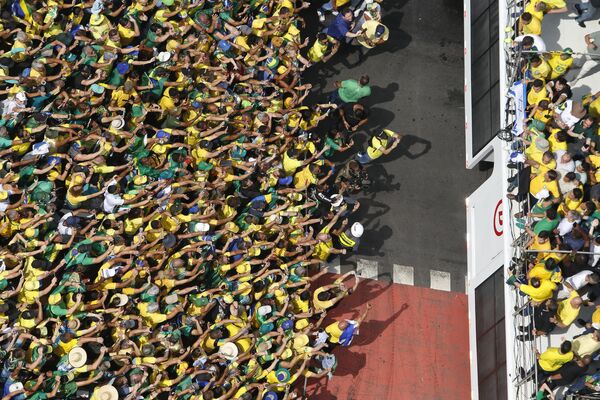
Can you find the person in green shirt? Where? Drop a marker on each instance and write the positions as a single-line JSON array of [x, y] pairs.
[[350, 90], [548, 223]]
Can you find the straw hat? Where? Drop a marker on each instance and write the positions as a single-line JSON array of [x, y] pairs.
[[229, 351], [117, 123], [77, 357], [107, 392], [122, 299]]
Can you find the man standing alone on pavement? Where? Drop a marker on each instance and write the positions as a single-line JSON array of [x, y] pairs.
[[350, 90]]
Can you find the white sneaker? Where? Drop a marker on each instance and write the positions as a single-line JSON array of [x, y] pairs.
[[334, 13]]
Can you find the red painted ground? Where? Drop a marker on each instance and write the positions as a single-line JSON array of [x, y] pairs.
[[413, 345]]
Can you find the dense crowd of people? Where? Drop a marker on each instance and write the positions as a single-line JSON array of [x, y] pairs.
[[557, 165], [167, 202]]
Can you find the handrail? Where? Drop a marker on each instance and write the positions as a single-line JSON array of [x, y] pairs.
[[524, 352]]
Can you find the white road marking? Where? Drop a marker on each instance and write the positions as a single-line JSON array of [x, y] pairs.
[[334, 267], [440, 280], [404, 274], [367, 269]]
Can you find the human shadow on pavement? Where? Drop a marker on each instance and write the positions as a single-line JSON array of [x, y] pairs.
[[373, 240], [371, 329], [411, 147], [381, 94], [381, 180]]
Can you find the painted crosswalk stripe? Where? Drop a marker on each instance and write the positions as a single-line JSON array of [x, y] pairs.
[[334, 266], [404, 274], [439, 280], [367, 269]]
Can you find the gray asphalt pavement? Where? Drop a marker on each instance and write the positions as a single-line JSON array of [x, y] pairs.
[[416, 215]]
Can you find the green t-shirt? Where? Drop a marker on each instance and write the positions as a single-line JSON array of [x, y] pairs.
[[351, 91], [5, 143], [333, 147], [546, 225]]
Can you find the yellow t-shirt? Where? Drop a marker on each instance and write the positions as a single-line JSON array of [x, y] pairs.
[[540, 294], [334, 332], [323, 249], [534, 97], [538, 183], [552, 359], [558, 65], [533, 28], [542, 71], [566, 313], [290, 164]]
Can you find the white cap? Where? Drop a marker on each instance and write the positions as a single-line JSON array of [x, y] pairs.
[[164, 56], [15, 386], [357, 229], [21, 96], [337, 200]]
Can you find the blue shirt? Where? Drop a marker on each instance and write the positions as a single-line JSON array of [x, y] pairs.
[[338, 28]]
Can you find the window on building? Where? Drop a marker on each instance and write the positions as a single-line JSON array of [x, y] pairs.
[[491, 338], [485, 95]]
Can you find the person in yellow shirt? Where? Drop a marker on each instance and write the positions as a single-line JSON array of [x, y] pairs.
[[547, 181], [539, 290], [572, 201], [323, 48], [537, 9], [123, 95], [546, 270], [537, 93], [128, 30], [560, 62], [529, 25], [539, 68], [378, 146], [568, 309], [593, 105], [555, 357]]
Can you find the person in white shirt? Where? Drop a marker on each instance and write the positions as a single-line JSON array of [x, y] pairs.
[[111, 198], [568, 114], [566, 224], [63, 226], [564, 162], [581, 279], [5, 192], [534, 43]]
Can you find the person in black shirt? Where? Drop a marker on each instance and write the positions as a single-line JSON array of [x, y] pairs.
[[544, 321], [568, 372], [352, 116], [559, 91]]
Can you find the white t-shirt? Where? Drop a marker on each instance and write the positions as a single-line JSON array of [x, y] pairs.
[[577, 281], [563, 168], [5, 203], [111, 200], [62, 229], [565, 114], [538, 42], [565, 226]]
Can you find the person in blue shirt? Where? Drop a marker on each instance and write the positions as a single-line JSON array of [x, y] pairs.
[[341, 27]]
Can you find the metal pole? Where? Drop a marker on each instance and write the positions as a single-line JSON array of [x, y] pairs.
[[559, 251]]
